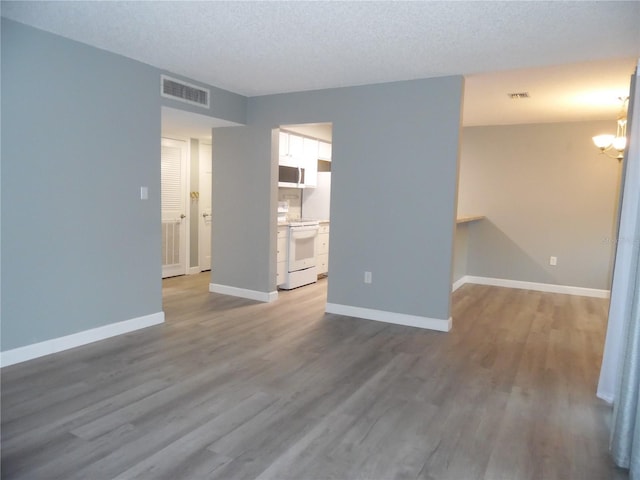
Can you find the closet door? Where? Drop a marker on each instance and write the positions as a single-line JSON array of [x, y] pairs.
[[173, 198]]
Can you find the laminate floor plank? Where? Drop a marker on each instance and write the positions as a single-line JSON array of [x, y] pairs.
[[35, 437], [229, 388], [160, 437], [69, 454], [196, 439]]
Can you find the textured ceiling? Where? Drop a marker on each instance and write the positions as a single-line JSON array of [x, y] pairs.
[[257, 48]]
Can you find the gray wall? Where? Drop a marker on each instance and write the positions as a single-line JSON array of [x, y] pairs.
[[79, 246], [80, 135], [394, 174], [242, 198], [546, 191]]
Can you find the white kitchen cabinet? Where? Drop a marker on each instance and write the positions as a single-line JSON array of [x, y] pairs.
[[298, 161], [291, 145], [322, 249], [283, 144], [310, 162], [296, 146], [324, 151], [281, 255], [287, 148], [322, 263]]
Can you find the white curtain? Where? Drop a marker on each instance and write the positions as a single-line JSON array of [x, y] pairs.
[[623, 269], [620, 374]]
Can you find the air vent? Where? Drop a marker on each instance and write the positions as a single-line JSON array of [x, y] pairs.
[[184, 92], [517, 95]]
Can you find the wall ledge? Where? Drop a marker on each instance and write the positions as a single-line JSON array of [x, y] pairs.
[[266, 297], [606, 396], [540, 287], [55, 345], [469, 218], [438, 324]]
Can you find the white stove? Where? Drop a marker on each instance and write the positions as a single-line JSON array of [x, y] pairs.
[[301, 258]]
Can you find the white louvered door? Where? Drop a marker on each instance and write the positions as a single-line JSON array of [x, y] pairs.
[[174, 208]]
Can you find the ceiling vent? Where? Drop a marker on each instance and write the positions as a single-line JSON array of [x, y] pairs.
[[517, 95], [184, 92]]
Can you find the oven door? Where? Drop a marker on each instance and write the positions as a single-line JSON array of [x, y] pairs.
[[302, 247]]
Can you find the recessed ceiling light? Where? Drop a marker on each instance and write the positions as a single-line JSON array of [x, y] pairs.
[[515, 96]]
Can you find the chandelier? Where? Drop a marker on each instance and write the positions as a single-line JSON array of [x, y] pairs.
[[613, 145]]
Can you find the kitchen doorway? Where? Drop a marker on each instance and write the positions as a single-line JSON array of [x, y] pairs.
[[304, 199]]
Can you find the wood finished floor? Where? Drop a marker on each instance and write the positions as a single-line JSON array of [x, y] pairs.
[[234, 389]]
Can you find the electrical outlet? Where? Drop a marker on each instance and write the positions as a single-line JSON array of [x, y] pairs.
[[144, 193], [553, 261], [367, 277]]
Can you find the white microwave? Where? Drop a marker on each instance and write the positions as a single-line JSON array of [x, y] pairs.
[[291, 176]]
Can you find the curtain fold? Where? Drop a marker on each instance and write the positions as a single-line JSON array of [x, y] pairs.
[[625, 433], [625, 439]]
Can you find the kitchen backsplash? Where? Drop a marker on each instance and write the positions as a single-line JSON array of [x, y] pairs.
[[294, 197]]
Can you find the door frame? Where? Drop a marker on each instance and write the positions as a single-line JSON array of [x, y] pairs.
[[200, 210]]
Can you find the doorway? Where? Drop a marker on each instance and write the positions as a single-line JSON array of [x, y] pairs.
[[307, 197], [192, 133], [186, 206]]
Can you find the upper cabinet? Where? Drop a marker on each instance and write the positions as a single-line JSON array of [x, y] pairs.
[[290, 149], [296, 146], [310, 155], [324, 151], [298, 160]]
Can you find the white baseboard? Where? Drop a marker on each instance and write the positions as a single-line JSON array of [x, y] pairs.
[[243, 293], [540, 287], [390, 317], [193, 270], [55, 345], [458, 283]]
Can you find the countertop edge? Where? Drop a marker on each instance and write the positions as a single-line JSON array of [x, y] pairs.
[[469, 218]]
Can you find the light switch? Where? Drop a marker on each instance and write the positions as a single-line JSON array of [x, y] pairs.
[[144, 193]]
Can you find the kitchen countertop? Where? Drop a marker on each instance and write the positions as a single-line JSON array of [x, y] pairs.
[[288, 222]]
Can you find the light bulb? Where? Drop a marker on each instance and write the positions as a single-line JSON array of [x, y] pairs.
[[619, 143], [603, 141]]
